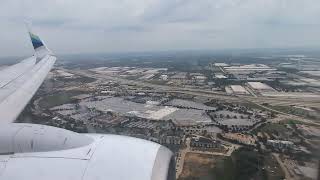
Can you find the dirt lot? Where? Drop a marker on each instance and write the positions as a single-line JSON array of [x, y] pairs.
[[243, 164], [202, 166]]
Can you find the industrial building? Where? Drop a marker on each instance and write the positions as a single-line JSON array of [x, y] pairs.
[[280, 144], [221, 64], [260, 87], [201, 142], [238, 89], [220, 76], [247, 69]]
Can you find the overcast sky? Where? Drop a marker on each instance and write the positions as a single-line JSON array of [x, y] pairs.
[[88, 26]]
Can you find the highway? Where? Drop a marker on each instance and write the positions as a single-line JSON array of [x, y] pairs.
[[284, 101]]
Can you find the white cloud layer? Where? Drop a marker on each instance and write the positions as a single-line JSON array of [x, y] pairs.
[[82, 26]]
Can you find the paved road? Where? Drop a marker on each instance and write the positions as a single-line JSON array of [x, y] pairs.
[[180, 163]]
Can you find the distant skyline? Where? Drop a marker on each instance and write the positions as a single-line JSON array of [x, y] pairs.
[[106, 26]]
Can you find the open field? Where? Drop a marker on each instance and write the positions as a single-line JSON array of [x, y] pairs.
[[57, 99], [272, 168], [204, 166], [297, 111], [243, 164], [275, 130]]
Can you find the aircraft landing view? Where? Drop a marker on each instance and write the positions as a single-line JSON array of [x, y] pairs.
[[30, 151], [160, 90]]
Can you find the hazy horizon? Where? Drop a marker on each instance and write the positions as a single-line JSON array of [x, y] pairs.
[[75, 27]]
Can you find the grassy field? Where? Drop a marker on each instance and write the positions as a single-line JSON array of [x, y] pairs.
[[272, 168], [292, 122], [224, 170], [276, 129], [273, 128], [158, 82], [247, 163], [58, 99], [294, 111], [81, 79], [250, 164]]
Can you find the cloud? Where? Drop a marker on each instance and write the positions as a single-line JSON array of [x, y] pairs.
[[80, 26]]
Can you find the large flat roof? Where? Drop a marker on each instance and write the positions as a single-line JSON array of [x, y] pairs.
[[221, 64], [259, 86], [238, 89]]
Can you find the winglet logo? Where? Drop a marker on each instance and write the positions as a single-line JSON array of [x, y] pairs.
[[36, 42]]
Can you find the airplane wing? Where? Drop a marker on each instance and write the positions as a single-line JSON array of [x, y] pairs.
[[19, 82], [31, 151]]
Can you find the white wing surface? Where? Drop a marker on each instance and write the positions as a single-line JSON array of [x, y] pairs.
[[18, 83], [13, 72]]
